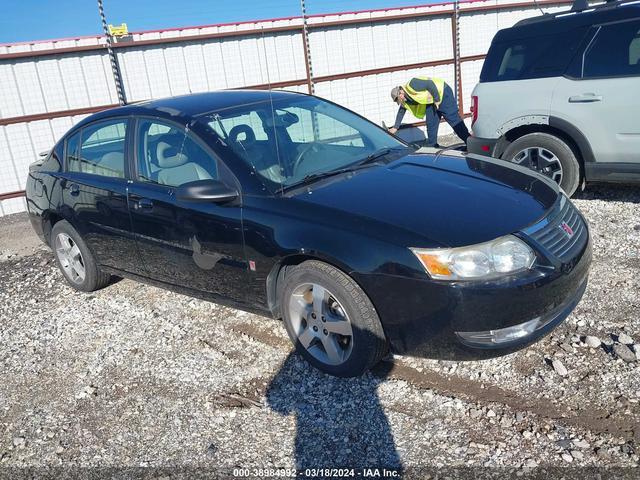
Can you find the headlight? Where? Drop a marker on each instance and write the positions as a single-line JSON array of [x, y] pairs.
[[503, 256]]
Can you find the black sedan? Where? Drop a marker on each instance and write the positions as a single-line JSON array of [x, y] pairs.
[[287, 205]]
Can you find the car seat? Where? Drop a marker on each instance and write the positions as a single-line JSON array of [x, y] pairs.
[[248, 148], [111, 165], [175, 169]]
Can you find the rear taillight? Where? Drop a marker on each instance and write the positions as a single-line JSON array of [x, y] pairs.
[[474, 109]]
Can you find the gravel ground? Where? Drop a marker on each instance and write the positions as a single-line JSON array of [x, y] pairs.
[[135, 376]]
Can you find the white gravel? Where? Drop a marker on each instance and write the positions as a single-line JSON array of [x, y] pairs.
[[135, 376]]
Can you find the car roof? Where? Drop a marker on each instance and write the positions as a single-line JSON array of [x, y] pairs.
[[192, 105], [550, 24]]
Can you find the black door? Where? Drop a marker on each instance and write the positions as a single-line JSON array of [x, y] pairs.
[[189, 244], [94, 193]]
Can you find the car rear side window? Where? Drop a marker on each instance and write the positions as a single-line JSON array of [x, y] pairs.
[[537, 56], [614, 52], [167, 155], [98, 149], [72, 159]]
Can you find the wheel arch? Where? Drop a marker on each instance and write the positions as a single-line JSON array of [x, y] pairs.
[[564, 130], [279, 270], [49, 219]]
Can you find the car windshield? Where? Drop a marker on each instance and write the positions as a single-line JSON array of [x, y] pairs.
[[300, 139]]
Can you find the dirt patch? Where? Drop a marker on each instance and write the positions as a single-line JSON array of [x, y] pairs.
[[597, 421], [18, 238], [617, 423]]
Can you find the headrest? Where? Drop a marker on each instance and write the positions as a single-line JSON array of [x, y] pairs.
[[169, 154], [249, 134]]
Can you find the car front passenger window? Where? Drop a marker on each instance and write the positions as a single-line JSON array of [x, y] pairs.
[[167, 155]]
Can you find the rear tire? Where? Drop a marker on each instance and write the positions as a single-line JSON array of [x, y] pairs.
[[75, 260], [330, 320], [548, 155]]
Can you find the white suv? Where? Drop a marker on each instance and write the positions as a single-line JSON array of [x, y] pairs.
[[561, 94]]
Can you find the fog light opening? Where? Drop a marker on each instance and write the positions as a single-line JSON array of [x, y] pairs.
[[501, 335]]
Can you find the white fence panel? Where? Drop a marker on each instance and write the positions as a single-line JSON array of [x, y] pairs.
[[37, 85], [10, 100]]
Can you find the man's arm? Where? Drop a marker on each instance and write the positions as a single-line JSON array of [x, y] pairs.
[[399, 117]]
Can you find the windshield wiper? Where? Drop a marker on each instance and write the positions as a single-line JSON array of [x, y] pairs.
[[368, 161], [378, 154], [312, 177], [375, 155]]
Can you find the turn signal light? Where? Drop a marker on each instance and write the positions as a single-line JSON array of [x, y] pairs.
[[433, 264]]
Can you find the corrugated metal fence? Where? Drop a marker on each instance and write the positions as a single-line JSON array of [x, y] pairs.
[[357, 57]]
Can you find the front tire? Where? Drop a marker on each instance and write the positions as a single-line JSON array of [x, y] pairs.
[[548, 155], [75, 260], [330, 320]]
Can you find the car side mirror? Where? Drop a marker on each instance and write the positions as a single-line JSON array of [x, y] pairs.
[[206, 191]]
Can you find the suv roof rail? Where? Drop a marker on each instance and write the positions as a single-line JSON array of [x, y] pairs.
[[577, 7]]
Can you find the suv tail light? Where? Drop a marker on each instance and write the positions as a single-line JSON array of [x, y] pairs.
[[474, 109]]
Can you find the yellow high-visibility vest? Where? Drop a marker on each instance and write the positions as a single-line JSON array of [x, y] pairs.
[[422, 97]]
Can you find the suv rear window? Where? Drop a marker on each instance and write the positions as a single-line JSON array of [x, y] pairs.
[[533, 57]]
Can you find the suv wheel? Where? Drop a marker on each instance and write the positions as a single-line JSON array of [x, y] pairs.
[[548, 155], [75, 260], [331, 321]]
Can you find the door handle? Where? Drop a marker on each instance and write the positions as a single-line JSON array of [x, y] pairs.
[[74, 189], [585, 98], [143, 204]]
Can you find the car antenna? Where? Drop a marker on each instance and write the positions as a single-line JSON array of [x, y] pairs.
[[539, 7], [273, 112]]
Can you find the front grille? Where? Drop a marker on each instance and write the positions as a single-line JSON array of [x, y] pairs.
[[550, 235]]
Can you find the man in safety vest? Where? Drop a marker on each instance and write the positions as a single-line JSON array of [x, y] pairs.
[[429, 98]]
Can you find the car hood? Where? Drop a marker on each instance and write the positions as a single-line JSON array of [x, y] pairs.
[[451, 200]]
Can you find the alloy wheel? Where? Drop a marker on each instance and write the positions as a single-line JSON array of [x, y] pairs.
[[541, 160], [70, 258], [321, 324]]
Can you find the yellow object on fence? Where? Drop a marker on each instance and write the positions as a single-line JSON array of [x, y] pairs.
[[119, 30]]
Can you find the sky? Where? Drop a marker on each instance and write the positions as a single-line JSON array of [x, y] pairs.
[[26, 20]]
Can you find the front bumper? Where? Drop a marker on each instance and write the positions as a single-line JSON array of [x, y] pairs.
[[424, 318], [481, 146], [514, 335]]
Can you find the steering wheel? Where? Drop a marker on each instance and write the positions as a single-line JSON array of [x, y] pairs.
[[299, 158], [250, 136]]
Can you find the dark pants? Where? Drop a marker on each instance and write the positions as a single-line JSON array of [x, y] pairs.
[[449, 110]]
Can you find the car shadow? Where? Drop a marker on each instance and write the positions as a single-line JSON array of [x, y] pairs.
[[609, 192], [340, 422]]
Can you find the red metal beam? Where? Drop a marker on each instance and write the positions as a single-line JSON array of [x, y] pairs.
[[49, 115], [7, 196], [442, 120], [143, 43], [439, 13], [283, 84], [244, 22], [262, 86]]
